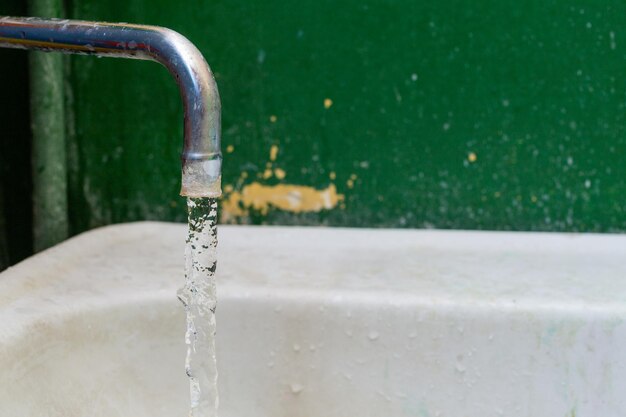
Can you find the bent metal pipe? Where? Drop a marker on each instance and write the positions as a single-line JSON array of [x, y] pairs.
[[201, 156]]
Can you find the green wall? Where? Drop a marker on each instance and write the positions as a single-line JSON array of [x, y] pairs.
[[498, 115], [452, 114]]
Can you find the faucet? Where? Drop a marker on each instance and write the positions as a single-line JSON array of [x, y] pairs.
[[201, 157]]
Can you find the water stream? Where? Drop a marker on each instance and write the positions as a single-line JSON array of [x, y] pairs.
[[198, 297]]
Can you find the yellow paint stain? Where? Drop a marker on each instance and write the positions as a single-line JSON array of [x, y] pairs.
[[273, 118], [327, 103], [351, 180], [332, 175], [287, 197], [228, 188], [533, 198], [472, 157], [230, 149], [267, 173], [279, 173], [244, 174], [273, 152]]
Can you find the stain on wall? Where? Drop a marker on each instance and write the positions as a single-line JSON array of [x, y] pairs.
[[241, 197], [237, 205]]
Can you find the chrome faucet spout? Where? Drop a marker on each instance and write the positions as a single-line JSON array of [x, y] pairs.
[[201, 156]]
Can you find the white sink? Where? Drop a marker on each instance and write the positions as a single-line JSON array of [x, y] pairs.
[[322, 323]]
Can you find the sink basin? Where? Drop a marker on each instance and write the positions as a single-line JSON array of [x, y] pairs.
[[316, 322]]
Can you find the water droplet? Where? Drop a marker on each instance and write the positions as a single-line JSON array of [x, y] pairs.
[[373, 335]]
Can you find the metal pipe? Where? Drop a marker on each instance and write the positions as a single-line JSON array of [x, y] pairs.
[[201, 156], [49, 146]]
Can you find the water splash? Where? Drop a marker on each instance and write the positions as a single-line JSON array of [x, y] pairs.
[[198, 297]]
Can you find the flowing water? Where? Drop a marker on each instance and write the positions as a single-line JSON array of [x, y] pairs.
[[198, 297]]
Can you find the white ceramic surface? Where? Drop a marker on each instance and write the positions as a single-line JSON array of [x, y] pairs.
[[317, 322]]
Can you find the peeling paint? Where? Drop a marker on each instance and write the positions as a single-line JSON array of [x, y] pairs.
[[279, 173], [351, 180], [287, 197], [273, 152]]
